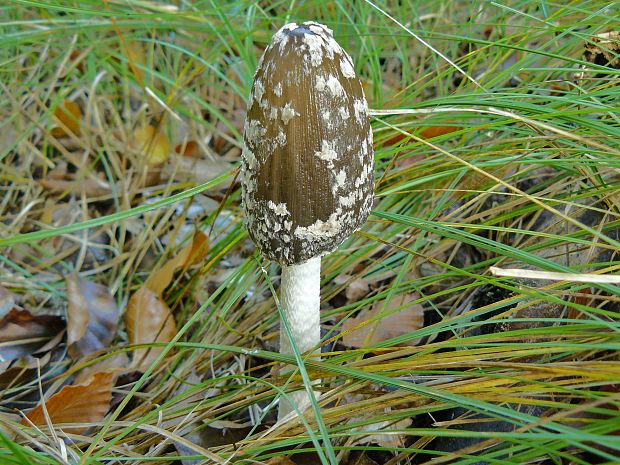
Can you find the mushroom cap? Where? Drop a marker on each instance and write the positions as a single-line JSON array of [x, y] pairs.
[[307, 165]]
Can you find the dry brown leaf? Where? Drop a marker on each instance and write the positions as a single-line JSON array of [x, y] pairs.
[[280, 460], [62, 180], [90, 187], [435, 131], [22, 370], [189, 149], [148, 320], [390, 440], [200, 170], [604, 49], [115, 364], [360, 458], [22, 333], [407, 320], [86, 403], [473, 180], [192, 253], [68, 115], [136, 58], [92, 317], [77, 311], [152, 144], [77, 59], [6, 301], [355, 288]]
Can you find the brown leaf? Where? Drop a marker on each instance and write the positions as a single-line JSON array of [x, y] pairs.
[[199, 169], [390, 440], [148, 320], [406, 320], [189, 148], [90, 187], [136, 58], [77, 311], [604, 49], [68, 116], [189, 255], [92, 317], [86, 403], [152, 144], [280, 460], [354, 288], [6, 301], [435, 131], [23, 333], [21, 370], [474, 180], [116, 364], [580, 299], [77, 58]]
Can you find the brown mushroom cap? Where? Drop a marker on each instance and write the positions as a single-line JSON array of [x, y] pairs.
[[307, 164]]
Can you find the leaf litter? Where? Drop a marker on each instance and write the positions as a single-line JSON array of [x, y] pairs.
[[99, 159], [84, 403], [92, 317]]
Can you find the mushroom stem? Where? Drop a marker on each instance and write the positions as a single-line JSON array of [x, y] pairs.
[[300, 300]]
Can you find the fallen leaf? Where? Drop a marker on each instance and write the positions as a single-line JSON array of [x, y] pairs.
[[354, 288], [580, 299], [68, 116], [280, 460], [360, 331], [92, 317], [136, 58], [77, 58], [389, 440], [189, 255], [6, 301], [22, 333], [90, 187], [436, 131], [85, 403], [201, 170], [115, 364], [226, 424], [474, 180], [360, 458], [604, 49], [21, 370], [189, 149], [188, 382], [77, 311], [200, 248], [152, 144], [148, 320], [201, 440]]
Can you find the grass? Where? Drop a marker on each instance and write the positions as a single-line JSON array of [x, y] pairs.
[[496, 144]]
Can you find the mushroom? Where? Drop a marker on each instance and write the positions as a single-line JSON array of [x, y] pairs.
[[307, 168]]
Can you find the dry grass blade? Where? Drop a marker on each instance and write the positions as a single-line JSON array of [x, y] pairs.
[[554, 276]]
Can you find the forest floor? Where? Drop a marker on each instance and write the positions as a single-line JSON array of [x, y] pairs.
[[138, 323]]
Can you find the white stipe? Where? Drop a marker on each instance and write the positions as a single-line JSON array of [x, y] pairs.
[[300, 300]]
